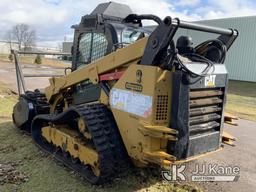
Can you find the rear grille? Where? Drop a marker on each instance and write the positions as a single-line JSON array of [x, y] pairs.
[[205, 110], [204, 126], [196, 112]]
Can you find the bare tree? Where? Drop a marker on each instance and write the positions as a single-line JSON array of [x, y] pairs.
[[29, 39], [24, 35], [8, 37]]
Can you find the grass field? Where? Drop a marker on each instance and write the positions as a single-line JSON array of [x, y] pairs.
[[241, 99], [7, 100], [28, 59]]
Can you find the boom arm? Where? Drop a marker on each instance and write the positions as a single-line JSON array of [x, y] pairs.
[[125, 56]]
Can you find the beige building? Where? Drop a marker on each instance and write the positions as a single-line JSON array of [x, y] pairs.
[[66, 47], [5, 47]]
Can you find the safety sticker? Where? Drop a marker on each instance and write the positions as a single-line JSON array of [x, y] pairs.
[[131, 102]]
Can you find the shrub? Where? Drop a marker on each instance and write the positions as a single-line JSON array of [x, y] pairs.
[[38, 59], [10, 57]]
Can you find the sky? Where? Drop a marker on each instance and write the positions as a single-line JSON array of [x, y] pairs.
[[52, 19]]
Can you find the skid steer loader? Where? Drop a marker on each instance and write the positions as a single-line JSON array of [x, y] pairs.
[[134, 95]]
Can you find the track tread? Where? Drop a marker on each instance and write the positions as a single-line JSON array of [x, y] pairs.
[[105, 135]]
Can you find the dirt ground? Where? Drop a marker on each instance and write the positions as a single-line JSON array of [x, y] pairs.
[[8, 75], [242, 155]]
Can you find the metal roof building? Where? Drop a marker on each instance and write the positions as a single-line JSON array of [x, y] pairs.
[[241, 58]]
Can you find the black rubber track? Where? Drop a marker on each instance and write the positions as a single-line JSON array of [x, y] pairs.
[[105, 135]]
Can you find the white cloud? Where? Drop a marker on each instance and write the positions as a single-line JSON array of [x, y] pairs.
[[32, 12], [52, 18], [189, 3], [226, 8]]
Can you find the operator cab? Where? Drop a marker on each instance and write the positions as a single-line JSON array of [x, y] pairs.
[[98, 34], [104, 31]]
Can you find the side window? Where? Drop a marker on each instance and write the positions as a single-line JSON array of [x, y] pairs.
[[85, 44], [92, 46], [99, 46], [131, 35]]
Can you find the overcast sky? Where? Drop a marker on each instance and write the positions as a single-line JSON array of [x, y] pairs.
[[52, 18]]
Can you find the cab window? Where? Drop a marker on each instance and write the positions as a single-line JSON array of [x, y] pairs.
[[92, 46], [130, 35], [84, 53], [99, 46]]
